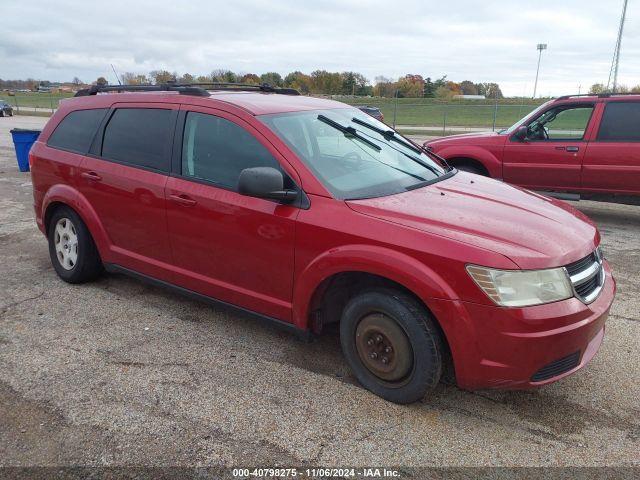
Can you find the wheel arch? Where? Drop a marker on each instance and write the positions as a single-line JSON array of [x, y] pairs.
[[364, 261], [476, 155], [65, 195]]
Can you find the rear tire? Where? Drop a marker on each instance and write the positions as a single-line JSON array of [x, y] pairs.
[[73, 252], [392, 345]]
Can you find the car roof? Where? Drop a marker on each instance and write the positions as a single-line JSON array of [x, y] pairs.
[[255, 103], [265, 103]]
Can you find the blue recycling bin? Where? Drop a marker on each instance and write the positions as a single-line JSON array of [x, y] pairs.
[[23, 139]]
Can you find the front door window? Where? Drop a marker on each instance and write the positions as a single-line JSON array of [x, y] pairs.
[[561, 124]]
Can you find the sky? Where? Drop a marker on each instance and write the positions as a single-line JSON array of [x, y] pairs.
[[481, 41]]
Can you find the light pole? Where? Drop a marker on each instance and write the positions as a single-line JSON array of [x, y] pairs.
[[613, 73], [540, 47]]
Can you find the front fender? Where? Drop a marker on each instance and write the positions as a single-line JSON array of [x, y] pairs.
[[485, 157], [73, 198], [391, 264]]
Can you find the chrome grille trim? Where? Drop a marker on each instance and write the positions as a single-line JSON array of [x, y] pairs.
[[587, 277]]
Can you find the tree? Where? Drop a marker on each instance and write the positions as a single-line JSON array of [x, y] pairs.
[[76, 81], [101, 81], [354, 83], [299, 81], [187, 78], [326, 82], [129, 78], [384, 87], [636, 89], [429, 88], [467, 87], [162, 76], [223, 76], [597, 88], [411, 86], [272, 78], [448, 89], [251, 78], [489, 90]]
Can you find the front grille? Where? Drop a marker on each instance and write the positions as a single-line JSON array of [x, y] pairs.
[[587, 276], [557, 368], [581, 264]]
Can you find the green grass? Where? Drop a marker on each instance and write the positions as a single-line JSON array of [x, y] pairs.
[[410, 111], [462, 113], [40, 100]]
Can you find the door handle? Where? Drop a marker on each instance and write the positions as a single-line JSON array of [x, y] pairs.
[[183, 200], [573, 149], [91, 176]]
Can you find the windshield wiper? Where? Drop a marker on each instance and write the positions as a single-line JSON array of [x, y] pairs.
[[387, 134], [348, 132]]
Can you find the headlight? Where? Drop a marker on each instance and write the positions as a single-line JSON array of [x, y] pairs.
[[522, 288]]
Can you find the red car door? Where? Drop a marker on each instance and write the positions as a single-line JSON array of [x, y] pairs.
[[612, 161], [123, 178], [225, 245], [550, 156]]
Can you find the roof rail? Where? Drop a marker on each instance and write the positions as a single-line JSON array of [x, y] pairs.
[[246, 87], [164, 87], [599, 95], [195, 89]]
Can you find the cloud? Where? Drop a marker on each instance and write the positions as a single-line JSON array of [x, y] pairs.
[[480, 41]]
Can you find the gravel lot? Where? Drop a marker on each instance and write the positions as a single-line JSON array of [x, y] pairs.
[[120, 373]]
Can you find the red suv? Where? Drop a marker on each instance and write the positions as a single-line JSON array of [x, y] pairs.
[[309, 212], [586, 145]]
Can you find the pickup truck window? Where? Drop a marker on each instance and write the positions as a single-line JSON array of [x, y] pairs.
[[561, 123], [620, 122]]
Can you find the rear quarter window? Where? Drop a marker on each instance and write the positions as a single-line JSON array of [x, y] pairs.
[[140, 137], [620, 122], [76, 131]]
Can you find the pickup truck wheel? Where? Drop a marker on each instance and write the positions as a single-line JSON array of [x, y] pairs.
[[391, 344], [73, 252]]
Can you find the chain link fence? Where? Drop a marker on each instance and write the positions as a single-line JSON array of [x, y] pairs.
[[433, 117], [417, 116], [34, 103]]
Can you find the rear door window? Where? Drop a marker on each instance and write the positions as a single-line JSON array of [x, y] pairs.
[[76, 131], [217, 150], [140, 137], [620, 122]]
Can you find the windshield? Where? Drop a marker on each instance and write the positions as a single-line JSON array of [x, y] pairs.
[[354, 155], [529, 115]]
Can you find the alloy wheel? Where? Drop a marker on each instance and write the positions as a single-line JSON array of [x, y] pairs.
[[66, 243]]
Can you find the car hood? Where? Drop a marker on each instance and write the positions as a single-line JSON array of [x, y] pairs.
[[476, 138], [531, 230]]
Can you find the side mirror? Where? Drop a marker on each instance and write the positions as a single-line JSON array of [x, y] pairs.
[[521, 133], [264, 182]]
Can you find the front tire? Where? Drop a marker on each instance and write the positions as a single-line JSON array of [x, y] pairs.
[[72, 250], [392, 345]]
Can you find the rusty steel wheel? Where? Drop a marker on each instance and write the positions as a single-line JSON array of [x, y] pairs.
[[391, 344], [383, 347]]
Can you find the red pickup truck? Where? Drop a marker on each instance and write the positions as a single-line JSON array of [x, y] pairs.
[[584, 145]]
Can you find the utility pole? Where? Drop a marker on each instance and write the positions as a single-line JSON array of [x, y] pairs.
[[613, 73], [540, 47]]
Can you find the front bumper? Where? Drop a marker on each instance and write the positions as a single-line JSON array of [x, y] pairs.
[[497, 347]]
